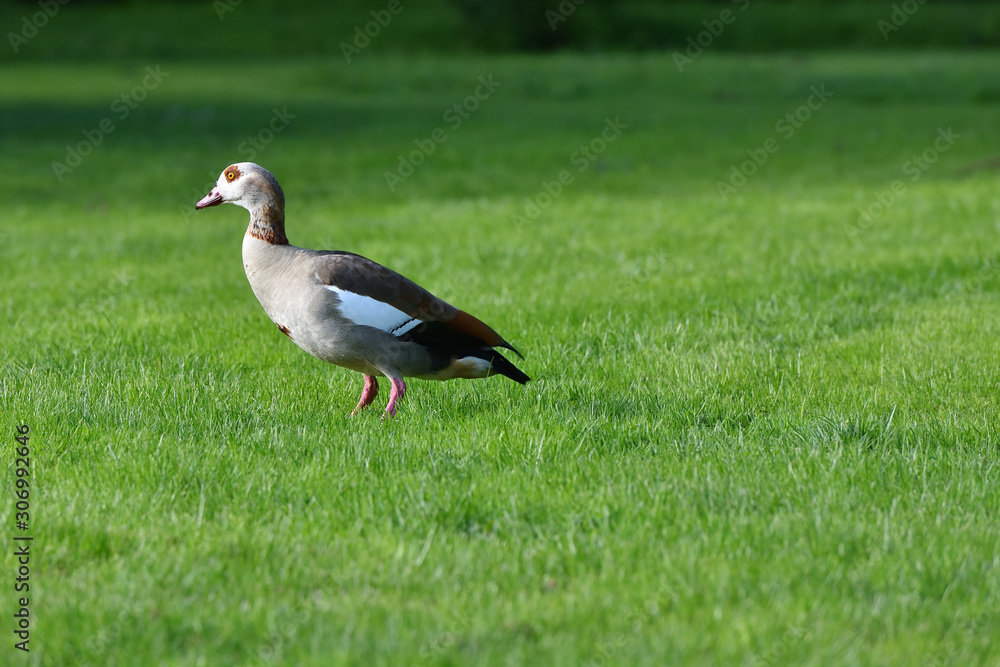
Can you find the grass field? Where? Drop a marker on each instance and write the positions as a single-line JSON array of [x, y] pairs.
[[761, 429]]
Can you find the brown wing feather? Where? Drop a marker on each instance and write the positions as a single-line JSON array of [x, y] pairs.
[[361, 275], [474, 327]]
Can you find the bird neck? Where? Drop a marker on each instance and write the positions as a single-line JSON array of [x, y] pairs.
[[267, 223]]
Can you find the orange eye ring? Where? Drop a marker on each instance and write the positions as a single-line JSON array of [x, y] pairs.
[[230, 176]]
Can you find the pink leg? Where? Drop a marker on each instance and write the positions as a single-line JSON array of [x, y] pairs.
[[368, 394], [398, 389]]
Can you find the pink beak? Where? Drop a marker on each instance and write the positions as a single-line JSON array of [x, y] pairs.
[[213, 198]]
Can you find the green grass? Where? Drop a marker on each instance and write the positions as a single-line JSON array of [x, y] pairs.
[[229, 29], [750, 438]]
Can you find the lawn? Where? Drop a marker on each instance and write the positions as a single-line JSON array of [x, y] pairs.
[[761, 428]]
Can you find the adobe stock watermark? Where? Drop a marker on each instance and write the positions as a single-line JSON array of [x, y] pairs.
[[968, 633], [280, 119], [37, 21], [581, 158], [454, 115], [901, 13], [697, 44], [107, 636], [248, 148], [786, 127], [363, 37], [122, 106], [273, 644], [913, 169], [637, 617], [565, 10], [775, 654], [444, 641], [988, 270], [638, 273], [223, 7]]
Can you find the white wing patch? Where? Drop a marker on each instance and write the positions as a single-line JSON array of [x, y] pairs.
[[371, 312]]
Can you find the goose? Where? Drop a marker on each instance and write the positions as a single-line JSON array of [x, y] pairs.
[[349, 310]]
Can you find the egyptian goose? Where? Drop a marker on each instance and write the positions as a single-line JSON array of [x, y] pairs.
[[348, 310]]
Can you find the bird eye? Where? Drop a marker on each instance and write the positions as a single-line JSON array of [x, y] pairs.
[[230, 176]]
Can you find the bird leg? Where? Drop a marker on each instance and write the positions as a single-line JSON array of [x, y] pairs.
[[368, 394], [398, 389]]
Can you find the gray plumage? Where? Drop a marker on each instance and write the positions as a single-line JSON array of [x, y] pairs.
[[351, 311]]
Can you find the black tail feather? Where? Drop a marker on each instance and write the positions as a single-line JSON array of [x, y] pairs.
[[447, 345], [502, 366], [510, 347]]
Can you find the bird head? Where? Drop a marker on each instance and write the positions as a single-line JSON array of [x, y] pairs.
[[245, 184]]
